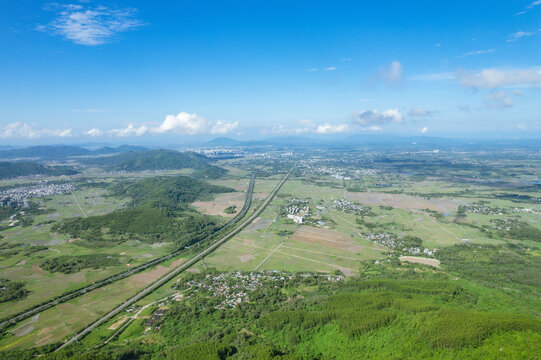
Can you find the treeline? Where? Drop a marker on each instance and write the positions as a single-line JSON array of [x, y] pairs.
[[12, 290], [71, 264]]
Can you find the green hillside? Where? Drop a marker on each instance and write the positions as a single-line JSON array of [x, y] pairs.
[[152, 160], [16, 169], [159, 211]]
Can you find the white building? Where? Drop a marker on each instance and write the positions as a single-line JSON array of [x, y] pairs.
[[299, 219]]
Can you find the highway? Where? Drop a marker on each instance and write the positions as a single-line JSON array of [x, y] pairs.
[[73, 294], [167, 277]]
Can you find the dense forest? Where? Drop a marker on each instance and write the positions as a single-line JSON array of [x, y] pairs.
[[71, 264], [15, 169]]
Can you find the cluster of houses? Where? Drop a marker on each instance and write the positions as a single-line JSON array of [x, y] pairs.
[[476, 208], [297, 210], [350, 207], [527, 211], [392, 242], [231, 288], [20, 196]]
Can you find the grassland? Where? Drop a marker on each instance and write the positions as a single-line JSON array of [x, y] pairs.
[[332, 241]]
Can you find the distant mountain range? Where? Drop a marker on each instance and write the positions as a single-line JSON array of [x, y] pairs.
[[376, 142], [62, 151]]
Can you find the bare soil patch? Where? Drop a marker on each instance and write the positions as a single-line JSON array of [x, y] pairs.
[[220, 203], [327, 238], [420, 260], [117, 324], [36, 270], [403, 201]]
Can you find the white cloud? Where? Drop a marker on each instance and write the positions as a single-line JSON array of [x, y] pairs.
[[477, 52], [332, 129], [393, 73], [92, 26], [130, 130], [222, 127], [531, 6], [495, 78], [518, 35], [420, 112], [192, 124], [498, 100], [424, 130], [184, 124], [181, 124], [329, 68], [374, 117], [304, 127], [522, 127], [25, 131], [94, 132]]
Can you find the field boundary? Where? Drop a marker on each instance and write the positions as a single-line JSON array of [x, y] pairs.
[[149, 289]]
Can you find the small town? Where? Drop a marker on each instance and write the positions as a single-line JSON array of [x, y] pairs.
[[20, 196]]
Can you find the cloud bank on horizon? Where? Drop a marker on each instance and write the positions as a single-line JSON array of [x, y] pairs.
[[268, 78]]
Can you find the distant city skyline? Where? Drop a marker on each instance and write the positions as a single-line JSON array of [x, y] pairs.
[[140, 72]]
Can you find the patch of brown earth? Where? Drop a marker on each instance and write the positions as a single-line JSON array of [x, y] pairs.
[[327, 238], [420, 260], [117, 324], [220, 203]]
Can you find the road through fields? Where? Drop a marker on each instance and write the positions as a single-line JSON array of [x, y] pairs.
[[178, 270], [76, 293]]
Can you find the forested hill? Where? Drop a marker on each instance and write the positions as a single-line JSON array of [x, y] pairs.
[[16, 169], [152, 160], [159, 212], [167, 192]]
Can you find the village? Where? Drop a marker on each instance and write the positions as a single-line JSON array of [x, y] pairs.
[[20, 196], [232, 289]]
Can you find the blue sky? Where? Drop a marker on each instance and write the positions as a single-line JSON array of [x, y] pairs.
[[150, 71]]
